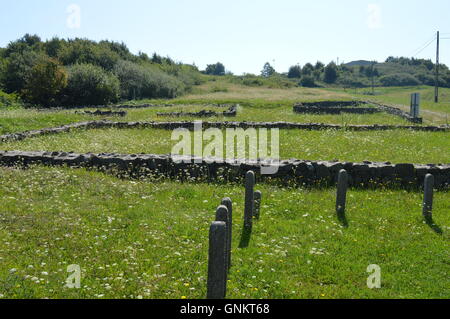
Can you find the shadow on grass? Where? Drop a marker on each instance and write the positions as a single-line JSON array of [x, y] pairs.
[[434, 227], [245, 237]]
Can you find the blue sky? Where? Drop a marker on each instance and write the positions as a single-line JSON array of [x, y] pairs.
[[243, 34]]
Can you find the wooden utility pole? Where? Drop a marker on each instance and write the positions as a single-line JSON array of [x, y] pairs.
[[436, 91]]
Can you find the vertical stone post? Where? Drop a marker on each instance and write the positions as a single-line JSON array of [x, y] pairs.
[[249, 199], [222, 215], [258, 198], [341, 196], [217, 273], [428, 198], [229, 205]]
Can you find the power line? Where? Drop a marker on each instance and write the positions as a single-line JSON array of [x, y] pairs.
[[423, 47], [420, 50]]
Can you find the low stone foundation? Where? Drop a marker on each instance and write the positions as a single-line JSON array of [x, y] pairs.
[[334, 107], [190, 125], [397, 112], [290, 172], [103, 113], [334, 110], [231, 112], [331, 103], [338, 107]]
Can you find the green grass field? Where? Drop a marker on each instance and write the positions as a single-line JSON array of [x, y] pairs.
[[136, 239], [21, 120], [149, 238], [400, 97], [396, 146]]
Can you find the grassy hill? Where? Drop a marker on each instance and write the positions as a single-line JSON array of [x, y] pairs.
[[392, 72]]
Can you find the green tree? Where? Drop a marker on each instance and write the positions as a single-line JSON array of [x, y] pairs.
[[139, 81], [157, 59], [45, 81], [18, 68], [267, 70], [27, 43], [295, 72], [2, 68], [307, 81], [53, 47], [308, 69], [91, 85], [319, 66], [215, 69], [81, 51], [330, 75]]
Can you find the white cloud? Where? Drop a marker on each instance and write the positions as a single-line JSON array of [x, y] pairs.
[[374, 20]]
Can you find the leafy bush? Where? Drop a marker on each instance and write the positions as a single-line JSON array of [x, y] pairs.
[[18, 68], [80, 51], [54, 46], [351, 81], [188, 74], [90, 85], [319, 66], [248, 80], [426, 79], [137, 81], [308, 69], [330, 74], [215, 69], [45, 82], [295, 72], [216, 89], [399, 79], [308, 81], [9, 100]]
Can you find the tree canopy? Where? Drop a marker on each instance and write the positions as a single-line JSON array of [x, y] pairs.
[[267, 70], [45, 73], [215, 69]]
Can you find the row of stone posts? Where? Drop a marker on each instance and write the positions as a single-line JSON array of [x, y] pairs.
[[253, 199], [220, 237], [219, 263], [220, 233], [341, 196]]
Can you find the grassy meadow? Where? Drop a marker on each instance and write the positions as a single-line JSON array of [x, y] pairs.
[[398, 146], [149, 238], [400, 96], [142, 239]]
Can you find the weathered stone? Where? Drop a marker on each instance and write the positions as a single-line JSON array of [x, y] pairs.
[[341, 194], [249, 199], [404, 170], [217, 272], [227, 202], [322, 172], [222, 215], [295, 172], [427, 210]]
